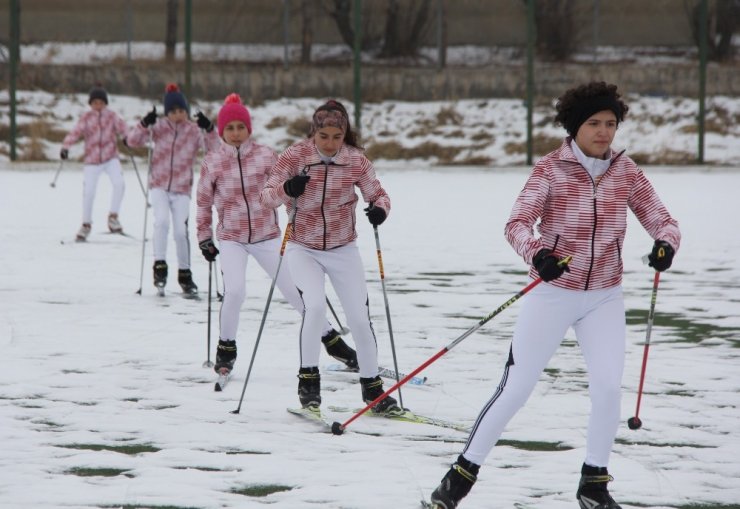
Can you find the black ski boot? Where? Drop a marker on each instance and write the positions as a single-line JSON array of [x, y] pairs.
[[371, 389], [592, 492], [160, 273], [455, 484], [337, 348], [185, 278], [225, 356], [309, 387]]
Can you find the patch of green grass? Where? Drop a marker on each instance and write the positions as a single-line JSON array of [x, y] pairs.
[[261, 490], [97, 472], [666, 444], [148, 506], [534, 445], [73, 372], [131, 450], [246, 452], [687, 331]]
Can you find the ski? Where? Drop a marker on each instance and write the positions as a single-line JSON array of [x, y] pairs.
[[409, 416], [223, 379], [427, 505], [313, 415], [383, 372], [122, 234], [160, 291], [191, 295]]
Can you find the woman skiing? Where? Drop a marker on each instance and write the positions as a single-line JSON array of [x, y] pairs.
[[316, 180], [580, 194]]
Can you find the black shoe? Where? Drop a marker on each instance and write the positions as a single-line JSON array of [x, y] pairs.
[[337, 348], [309, 387], [160, 273], [455, 484], [372, 388], [225, 355], [185, 278], [592, 492]]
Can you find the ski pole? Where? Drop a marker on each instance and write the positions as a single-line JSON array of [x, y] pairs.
[[342, 329], [141, 184], [56, 175], [635, 422], [264, 316], [387, 309], [146, 213], [208, 363], [286, 236], [338, 428]]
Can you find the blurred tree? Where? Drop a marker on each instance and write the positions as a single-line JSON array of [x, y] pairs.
[[400, 34], [722, 23], [170, 38], [556, 37], [306, 30]]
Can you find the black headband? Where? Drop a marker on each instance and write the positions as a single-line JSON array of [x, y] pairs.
[[585, 108]]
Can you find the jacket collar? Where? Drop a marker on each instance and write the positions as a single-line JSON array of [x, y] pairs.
[[243, 149], [565, 152], [342, 158]]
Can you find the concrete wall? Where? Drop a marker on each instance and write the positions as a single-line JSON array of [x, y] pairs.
[[257, 83]]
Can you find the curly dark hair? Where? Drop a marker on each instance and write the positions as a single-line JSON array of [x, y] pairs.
[[577, 104], [350, 136]]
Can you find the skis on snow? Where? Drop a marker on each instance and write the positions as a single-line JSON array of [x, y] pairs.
[[383, 372], [312, 414], [409, 416], [223, 378]]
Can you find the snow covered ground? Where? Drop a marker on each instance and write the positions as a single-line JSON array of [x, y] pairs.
[[481, 132], [104, 401]]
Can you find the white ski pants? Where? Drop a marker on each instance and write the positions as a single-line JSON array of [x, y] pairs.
[[178, 205], [598, 320], [309, 268], [234, 257], [91, 174]]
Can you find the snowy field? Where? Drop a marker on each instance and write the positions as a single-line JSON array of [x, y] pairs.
[[104, 401]]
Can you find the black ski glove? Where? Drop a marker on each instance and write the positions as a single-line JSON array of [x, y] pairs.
[[547, 266], [662, 256], [150, 118], [375, 215], [64, 153], [295, 186], [209, 250], [204, 122]]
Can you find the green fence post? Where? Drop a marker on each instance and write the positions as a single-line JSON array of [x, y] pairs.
[[188, 47], [357, 62], [703, 19], [531, 36]]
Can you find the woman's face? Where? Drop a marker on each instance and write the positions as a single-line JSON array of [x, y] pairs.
[[329, 140], [177, 115], [236, 133], [595, 135]]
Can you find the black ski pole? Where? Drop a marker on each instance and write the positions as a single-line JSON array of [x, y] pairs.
[[264, 317], [146, 214], [56, 175], [387, 309], [342, 329], [208, 363], [338, 428]]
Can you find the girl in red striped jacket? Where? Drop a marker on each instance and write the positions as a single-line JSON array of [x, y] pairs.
[[580, 194], [177, 141], [231, 179], [316, 180], [99, 127]]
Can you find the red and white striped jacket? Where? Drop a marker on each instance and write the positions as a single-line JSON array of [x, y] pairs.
[[231, 178], [325, 216], [586, 220], [176, 146], [99, 128]]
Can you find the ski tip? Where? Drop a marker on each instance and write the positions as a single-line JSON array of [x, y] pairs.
[[217, 387], [337, 429]]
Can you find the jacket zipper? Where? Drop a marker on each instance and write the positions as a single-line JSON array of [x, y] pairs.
[[244, 195], [323, 200]]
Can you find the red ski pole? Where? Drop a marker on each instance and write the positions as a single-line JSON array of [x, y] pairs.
[[338, 428], [635, 422]]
